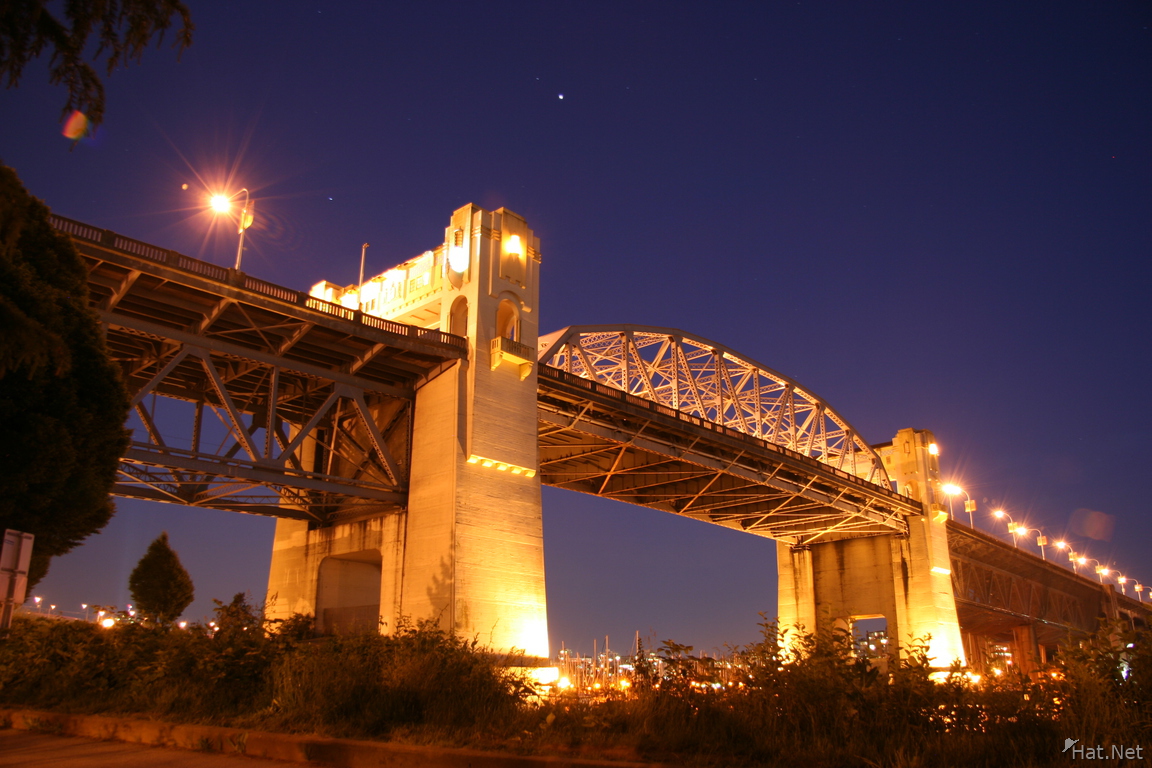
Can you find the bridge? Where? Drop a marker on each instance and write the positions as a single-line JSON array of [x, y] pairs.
[[400, 431]]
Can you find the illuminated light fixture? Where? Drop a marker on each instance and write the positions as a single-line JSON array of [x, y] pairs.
[[108, 623], [951, 489], [457, 258], [933, 449], [546, 675], [513, 246], [220, 203], [502, 466], [999, 513], [941, 570]]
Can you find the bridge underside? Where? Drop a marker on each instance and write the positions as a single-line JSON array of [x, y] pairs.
[[251, 397], [599, 440]]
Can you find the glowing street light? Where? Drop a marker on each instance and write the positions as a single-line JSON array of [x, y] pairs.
[[1121, 579], [1101, 570], [1138, 589], [1000, 514], [1063, 545], [951, 490], [221, 203], [1041, 539]]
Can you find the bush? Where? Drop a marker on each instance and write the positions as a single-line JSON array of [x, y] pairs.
[[241, 670], [771, 703]]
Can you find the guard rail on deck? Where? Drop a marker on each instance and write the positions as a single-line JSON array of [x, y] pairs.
[[237, 279]]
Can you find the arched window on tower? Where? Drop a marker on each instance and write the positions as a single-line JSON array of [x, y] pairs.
[[458, 317], [508, 320]]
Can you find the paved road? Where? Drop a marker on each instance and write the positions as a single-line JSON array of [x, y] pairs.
[[38, 750]]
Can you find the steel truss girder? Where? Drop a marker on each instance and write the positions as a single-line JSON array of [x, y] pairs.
[[330, 388], [599, 440], [708, 380], [309, 419]]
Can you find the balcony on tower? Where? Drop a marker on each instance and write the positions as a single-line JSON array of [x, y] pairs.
[[515, 352]]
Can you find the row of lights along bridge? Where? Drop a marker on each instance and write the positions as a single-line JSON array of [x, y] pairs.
[[1019, 530]]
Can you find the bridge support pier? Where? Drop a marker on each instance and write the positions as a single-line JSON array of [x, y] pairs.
[[467, 553], [905, 580]]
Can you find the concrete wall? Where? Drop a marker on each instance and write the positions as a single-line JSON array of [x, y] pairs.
[[468, 552]]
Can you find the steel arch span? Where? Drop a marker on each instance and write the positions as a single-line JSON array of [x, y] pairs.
[[713, 382]]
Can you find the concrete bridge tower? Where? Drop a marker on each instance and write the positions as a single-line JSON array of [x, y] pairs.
[[468, 549], [903, 579]]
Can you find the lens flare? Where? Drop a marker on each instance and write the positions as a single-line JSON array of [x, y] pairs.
[[76, 126]]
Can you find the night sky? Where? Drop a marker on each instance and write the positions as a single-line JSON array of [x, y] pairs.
[[932, 215]]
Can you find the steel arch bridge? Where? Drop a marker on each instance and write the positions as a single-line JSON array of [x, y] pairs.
[[717, 436], [694, 375]]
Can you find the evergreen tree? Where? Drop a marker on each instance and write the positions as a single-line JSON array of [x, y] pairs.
[[124, 28], [159, 585], [62, 400]]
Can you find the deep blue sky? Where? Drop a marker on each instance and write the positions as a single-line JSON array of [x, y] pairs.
[[933, 215]]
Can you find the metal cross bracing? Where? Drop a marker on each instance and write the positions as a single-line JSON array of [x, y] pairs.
[[998, 586], [253, 397], [657, 417], [706, 379]]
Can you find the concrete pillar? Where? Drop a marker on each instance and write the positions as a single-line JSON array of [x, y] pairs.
[[468, 551], [904, 579]]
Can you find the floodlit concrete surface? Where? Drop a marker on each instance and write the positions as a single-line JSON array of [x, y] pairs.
[[40, 750]]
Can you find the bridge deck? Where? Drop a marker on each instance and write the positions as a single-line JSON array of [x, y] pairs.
[[268, 361], [600, 440]]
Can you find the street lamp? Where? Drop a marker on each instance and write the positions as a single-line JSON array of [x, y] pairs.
[[1064, 545], [1138, 589], [969, 503], [1101, 570], [1041, 539], [1000, 514], [1121, 579], [223, 204]]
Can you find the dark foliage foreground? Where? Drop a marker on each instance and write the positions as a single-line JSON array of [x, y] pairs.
[[822, 708]]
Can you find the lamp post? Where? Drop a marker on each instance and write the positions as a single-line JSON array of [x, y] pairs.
[[969, 503], [1121, 579], [223, 204], [1138, 589], [1041, 539], [360, 284], [1063, 545], [1101, 570], [1000, 514]]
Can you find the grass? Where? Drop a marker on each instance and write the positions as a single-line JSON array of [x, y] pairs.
[[821, 707]]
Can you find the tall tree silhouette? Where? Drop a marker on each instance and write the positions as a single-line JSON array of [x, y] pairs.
[[159, 585]]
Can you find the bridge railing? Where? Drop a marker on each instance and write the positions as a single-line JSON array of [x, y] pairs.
[[81, 231], [617, 394]]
